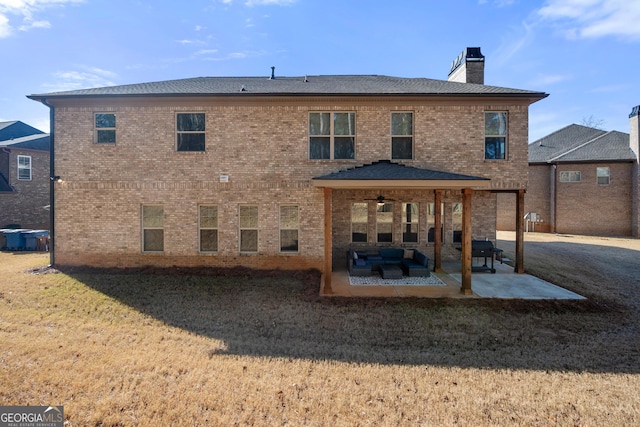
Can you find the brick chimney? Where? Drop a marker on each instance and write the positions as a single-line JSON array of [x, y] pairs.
[[468, 67], [634, 143]]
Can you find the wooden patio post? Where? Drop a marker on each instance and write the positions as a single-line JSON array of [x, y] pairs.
[[466, 241], [328, 243], [437, 241], [519, 268]]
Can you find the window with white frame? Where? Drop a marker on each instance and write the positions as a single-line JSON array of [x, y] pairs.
[[24, 168], [208, 228], [402, 135], [152, 228], [332, 135], [248, 228], [495, 135], [603, 176], [289, 229], [410, 221], [570, 176], [384, 222], [190, 131], [359, 222], [105, 128]]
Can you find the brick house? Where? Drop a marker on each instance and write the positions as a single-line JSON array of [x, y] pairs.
[[582, 180], [247, 171], [24, 176]]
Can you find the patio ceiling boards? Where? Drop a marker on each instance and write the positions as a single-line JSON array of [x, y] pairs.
[[386, 174]]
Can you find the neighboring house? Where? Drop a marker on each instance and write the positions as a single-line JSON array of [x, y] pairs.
[[581, 181], [283, 172], [24, 176]]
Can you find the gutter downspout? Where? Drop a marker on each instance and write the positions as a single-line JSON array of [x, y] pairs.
[[52, 184]]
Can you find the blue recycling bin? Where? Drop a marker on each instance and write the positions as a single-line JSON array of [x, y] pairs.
[[31, 238], [15, 239]]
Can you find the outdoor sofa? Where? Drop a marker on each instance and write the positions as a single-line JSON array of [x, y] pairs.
[[366, 261]]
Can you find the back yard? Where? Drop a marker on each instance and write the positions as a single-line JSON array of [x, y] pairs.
[[177, 348]]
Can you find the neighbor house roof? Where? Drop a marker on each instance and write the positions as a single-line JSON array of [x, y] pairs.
[[385, 173], [298, 86], [38, 142], [16, 129], [576, 143]]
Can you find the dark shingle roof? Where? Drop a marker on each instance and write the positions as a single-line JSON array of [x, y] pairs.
[[16, 129], [576, 143], [39, 142], [304, 85], [386, 170]]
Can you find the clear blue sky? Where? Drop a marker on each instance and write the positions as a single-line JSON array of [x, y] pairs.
[[584, 53]]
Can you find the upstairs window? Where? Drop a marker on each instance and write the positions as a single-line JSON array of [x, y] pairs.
[[495, 135], [24, 168], [570, 176], [332, 136], [402, 136], [603, 176], [190, 129], [105, 128]]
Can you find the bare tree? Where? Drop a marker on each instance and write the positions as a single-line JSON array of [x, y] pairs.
[[593, 122]]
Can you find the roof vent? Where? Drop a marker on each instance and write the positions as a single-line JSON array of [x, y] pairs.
[[243, 89], [273, 73], [306, 80]]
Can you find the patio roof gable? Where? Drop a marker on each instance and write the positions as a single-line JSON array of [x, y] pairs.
[[387, 174]]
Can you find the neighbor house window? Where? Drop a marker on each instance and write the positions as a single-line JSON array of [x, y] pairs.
[[431, 221], [24, 168], [332, 135], [105, 128], [289, 227], [152, 228], [401, 135], [410, 222], [359, 222], [384, 222], [570, 176], [208, 228], [248, 229], [603, 176], [456, 222], [495, 135], [190, 129]]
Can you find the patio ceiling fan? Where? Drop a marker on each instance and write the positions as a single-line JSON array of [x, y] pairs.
[[382, 200]]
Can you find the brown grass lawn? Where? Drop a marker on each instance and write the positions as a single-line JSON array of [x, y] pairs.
[[176, 348]]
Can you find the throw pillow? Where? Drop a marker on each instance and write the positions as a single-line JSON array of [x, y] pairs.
[[355, 255], [408, 253]]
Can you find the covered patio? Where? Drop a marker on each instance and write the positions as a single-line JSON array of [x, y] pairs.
[[387, 175], [504, 284]]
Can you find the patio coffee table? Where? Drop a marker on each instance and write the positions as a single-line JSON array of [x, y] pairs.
[[390, 271]]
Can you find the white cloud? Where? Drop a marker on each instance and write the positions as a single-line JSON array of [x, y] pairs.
[[86, 77], [24, 11], [549, 79], [594, 18]]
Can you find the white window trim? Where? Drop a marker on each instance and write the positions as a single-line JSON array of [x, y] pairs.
[[405, 223], [608, 176], [143, 228], [30, 168], [505, 136], [392, 223], [366, 223], [178, 132]]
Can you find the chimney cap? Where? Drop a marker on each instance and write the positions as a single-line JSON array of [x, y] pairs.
[[273, 73], [635, 111], [470, 54]]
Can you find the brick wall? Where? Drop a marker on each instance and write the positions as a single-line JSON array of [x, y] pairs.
[[262, 147], [25, 205]]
